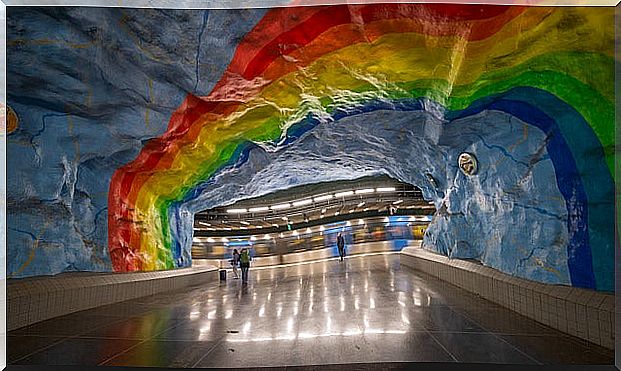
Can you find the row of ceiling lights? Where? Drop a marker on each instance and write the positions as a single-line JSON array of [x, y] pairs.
[[286, 219], [309, 201], [308, 230]]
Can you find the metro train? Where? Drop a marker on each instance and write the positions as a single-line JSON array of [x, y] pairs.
[[397, 229]]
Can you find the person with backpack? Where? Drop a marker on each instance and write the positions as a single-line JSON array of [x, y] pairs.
[[235, 263], [244, 263], [340, 243]]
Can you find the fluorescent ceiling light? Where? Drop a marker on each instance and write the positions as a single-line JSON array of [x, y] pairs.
[[365, 209], [322, 228], [343, 194], [267, 237], [196, 239], [386, 220], [360, 222], [210, 229], [295, 233], [431, 203], [308, 230], [323, 210], [351, 211], [275, 225], [259, 209], [348, 223], [412, 218], [321, 217], [280, 206], [236, 211], [281, 235], [205, 224], [227, 229], [336, 213], [397, 202], [211, 240], [364, 191], [224, 239], [253, 238], [284, 218], [360, 204], [302, 202], [258, 226], [386, 189], [243, 228], [244, 223], [323, 198]]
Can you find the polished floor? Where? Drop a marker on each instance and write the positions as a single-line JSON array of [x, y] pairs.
[[363, 310]]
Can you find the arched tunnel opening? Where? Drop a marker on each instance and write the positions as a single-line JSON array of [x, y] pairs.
[[374, 214]]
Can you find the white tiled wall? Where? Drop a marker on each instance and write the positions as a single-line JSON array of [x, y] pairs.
[[32, 300], [586, 314]]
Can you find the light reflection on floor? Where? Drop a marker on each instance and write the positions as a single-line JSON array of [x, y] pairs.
[[363, 310]]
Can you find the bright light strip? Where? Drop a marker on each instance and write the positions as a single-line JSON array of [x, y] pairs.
[[386, 220], [244, 223], [308, 230], [275, 225], [253, 238], [343, 194], [360, 222], [280, 206], [236, 211], [322, 198], [322, 228], [259, 209], [295, 233], [302, 202], [196, 239], [258, 227], [364, 191], [205, 224], [348, 223], [211, 240], [385, 189], [267, 237], [397, 202], [224, 239], [227, 229], [336, 213], [360, 204]]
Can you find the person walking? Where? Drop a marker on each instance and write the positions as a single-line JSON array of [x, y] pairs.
[[244, 263], [235, 262], [340, 243]]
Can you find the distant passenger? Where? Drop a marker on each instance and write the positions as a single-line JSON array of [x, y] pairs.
[[235, 263], [340, 243], [244, 259]]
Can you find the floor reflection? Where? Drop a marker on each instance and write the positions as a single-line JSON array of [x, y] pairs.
[[365, 309]]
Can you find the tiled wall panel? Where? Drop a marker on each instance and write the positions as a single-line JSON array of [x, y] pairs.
[[586, 314]]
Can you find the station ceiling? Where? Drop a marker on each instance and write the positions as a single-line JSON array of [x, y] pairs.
[[314, 204]]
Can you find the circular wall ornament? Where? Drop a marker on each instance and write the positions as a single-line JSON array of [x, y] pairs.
[[468, 163]]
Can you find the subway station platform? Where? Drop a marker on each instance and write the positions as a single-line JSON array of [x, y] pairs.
[[367, 309]]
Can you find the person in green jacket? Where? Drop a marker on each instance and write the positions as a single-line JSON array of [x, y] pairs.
[[244, 263]]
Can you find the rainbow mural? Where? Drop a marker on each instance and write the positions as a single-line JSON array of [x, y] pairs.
[[552, 67]]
